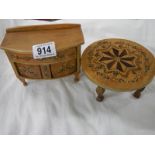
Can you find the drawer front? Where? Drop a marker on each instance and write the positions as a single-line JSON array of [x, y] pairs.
[[27, 58], [28, 71], [46, 72], [64, 68]]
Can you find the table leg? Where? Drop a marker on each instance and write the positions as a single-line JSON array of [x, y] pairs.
[[77, 77], [100, 91], [23, 81], [137, 93]]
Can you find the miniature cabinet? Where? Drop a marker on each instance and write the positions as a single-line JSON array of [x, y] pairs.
[[18, 43]]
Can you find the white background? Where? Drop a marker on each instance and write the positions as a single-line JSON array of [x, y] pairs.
[[60, 9], [63, 107]]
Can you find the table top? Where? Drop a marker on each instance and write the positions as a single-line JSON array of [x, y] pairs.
[[118, 64]]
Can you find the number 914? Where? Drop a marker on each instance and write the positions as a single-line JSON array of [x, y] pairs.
[[44, 50]]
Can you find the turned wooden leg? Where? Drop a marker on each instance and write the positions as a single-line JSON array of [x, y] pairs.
[[100, 91], [77, 77], [137, 93], [23, 81]]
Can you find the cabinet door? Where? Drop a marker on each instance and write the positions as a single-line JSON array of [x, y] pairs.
[[64, 68], [28, 71], [46, 72]]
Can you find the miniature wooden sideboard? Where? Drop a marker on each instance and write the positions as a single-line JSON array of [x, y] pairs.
[[18, 43]]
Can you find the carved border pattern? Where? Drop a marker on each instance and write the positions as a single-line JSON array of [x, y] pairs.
[[28, 71], [60, 55], [119, 61]]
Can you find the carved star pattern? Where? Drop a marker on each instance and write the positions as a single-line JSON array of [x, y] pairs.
[[117, 60]]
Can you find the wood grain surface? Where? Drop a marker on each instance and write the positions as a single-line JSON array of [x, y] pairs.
[[18, 43], [118, 64]]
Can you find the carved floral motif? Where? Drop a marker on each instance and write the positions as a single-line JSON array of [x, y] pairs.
[[29, 71], [118, 61]]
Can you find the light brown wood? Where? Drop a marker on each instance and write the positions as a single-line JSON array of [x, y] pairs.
[[118, 64], [77, 74], [18, 44], [21, 39]]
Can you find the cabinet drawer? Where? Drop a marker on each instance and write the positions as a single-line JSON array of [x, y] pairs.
[[64, 68], [28, 71], [27, 58]]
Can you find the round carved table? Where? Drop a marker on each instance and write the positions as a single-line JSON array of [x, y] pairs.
[[119, 65]]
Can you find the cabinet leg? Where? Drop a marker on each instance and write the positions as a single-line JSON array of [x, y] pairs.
[[137, 93], [23, 81], [100, 91], [77, 77]]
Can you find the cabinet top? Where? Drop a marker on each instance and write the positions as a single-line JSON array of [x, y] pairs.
[[21, 39]]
